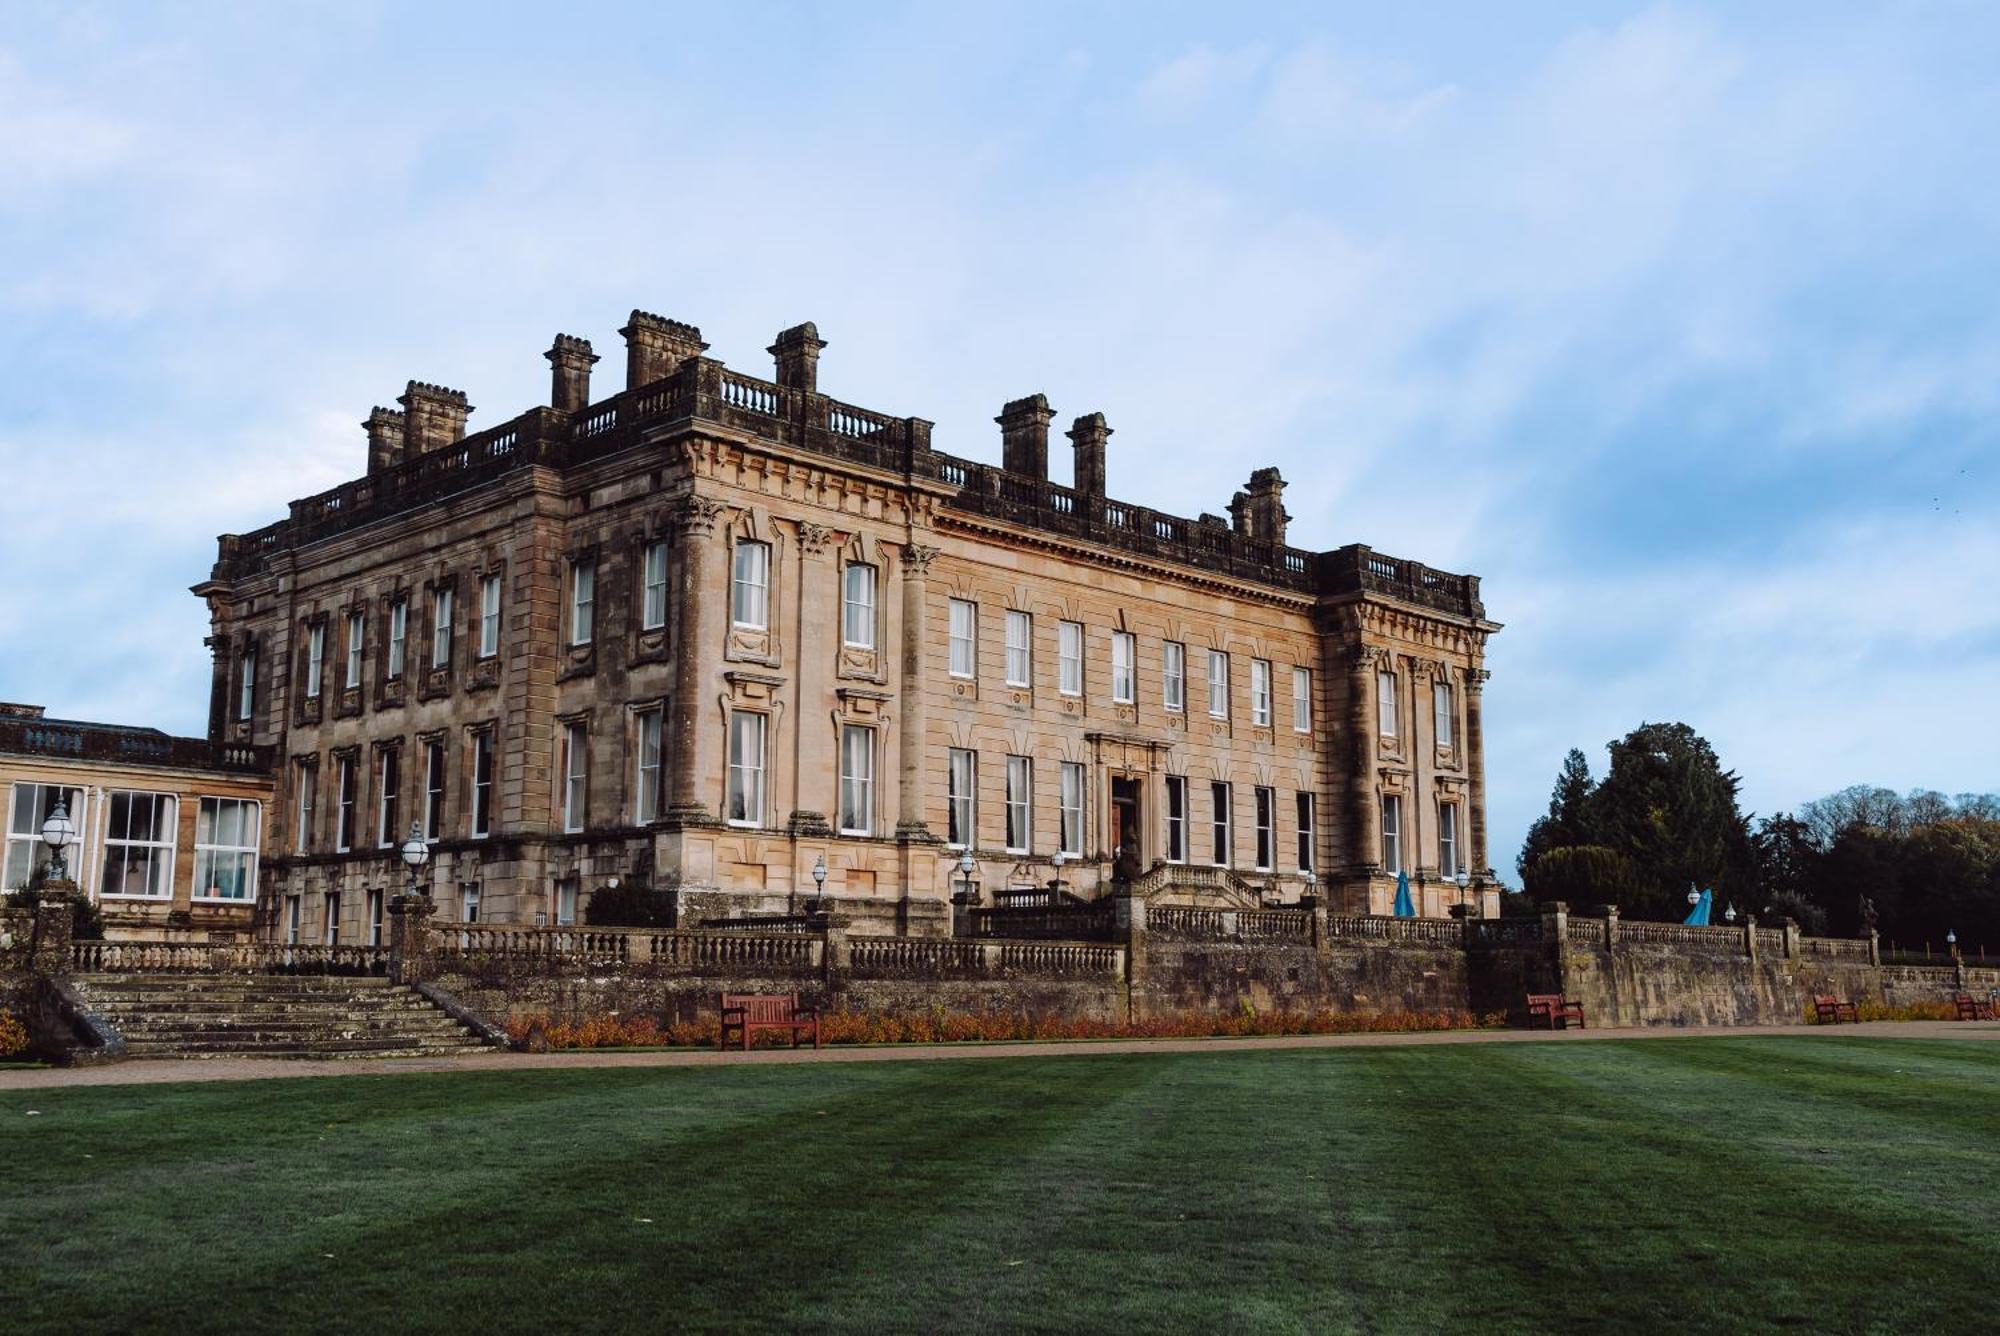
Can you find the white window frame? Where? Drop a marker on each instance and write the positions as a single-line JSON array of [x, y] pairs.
[[1069, 658], [582, 602], [653, 591], [1173, 676], [294, 917], [330, 923], [1218, 684], [468, 901], [649, 734], [1072, 782], [345, 794], [489, 615], [399, 632], [857, 779], [1124, 668], [962, 630], [1177, 818], [1266, 812], [159, 850], [1448, 856], [1387, 721], [1306, 805], [1020, 649], [750, 585], [858, 586], [1443, 713], [441, 627], [481, 816], [388, 795], [209, 853], [575, 776], [961, 798], [565, 902], [246, 688], [373, 908], [1020, 832], [745, 786], [1260, 693], [315, 658], [1302, 693], [1221, 823], [1392, 833], [355, 624]]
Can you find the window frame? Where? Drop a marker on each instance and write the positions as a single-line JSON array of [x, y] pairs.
[[443, 610], [1124, 668], [752, 586], [489, 615], [1301, 699], [1022, 647], [249, 850], [582, 602], [305, 805], [857, 785], [1072, 788], [1221, 823], [968, 639], [1177, 819], [575, 777], [346, 793], [1069, 658], [156, 869], [645, 785], [1173, 676], [388, 795], [1260, 693], [356, 623], [965, 797], [436, 791], [315, 657], [1020, 805], [1306, 805], [859, 612], [1265, 808], [1444, 714], [480, 819], [246, 684], [399, 638], [1218, 684], [1449, 858], [742, 776], [652, 582], [1392, 833], [1388, 709]]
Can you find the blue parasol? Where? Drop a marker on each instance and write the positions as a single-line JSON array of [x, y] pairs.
[[1698, 916], [1404, 908]]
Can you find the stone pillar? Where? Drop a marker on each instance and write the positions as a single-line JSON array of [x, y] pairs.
[[1089, 435], [816, 611], [570, 360], [1874, 947], [1475, 771], [835, 956], [913, 703], [55, 926], [218, 687], [410, 953], [1791, 931], [1750, 937], [796, 354], [1363, 826], [1610, 927], [697, 739], [1129, 929]]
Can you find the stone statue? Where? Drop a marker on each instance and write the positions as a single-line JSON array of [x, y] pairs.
[[1869, 918]]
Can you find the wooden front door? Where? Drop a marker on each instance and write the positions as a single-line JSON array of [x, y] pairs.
[[1127, 845]]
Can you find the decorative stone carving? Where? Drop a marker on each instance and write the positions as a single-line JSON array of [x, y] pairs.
[[697, 515], [917, 559], [813, 538]]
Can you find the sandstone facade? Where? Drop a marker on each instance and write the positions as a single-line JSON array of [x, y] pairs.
[[727, 629]]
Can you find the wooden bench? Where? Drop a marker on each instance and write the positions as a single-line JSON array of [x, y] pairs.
[[747, 1013], [1971, 1008], [1832, 1011], [1553, 1011]]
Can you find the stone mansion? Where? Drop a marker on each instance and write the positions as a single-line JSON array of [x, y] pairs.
[[720, 630]]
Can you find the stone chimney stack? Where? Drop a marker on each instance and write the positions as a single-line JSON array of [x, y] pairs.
[[655, 347], [1259, 512], [570, 361], [385, 438], [433, 417], [797, 353], [1089, 434], [1024, 436]]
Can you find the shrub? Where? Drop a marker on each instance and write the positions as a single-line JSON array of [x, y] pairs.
[[1582, 875], [85, 924], [13, 1034], [631, 904]]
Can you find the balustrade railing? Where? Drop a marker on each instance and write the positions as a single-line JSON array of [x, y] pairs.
[[1381, 927], [1834, 948], [226, 957], [915, 955], [1503, 932], [1060, 958], [1681, 934]]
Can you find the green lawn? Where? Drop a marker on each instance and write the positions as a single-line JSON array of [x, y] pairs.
[[1827, 1184]]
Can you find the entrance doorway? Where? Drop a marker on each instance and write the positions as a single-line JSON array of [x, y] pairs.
[[1126, 843]]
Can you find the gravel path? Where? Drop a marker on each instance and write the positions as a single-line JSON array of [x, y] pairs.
[[152, 1071]]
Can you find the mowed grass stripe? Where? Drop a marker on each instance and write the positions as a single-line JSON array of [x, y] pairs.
[[1664, 1185]]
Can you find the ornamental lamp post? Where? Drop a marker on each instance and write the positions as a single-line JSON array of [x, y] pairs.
[[1464, 879], [819, 885], [967, 865], [1312, 884], [1730, 913], [1951, 941], [1057, 860], [415, 853], [1694, 897], [59, 833]]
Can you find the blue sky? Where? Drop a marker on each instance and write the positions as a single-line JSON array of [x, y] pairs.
[[1676, 323]]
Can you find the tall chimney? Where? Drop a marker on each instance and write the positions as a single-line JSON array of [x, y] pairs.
[[385, 438], [1259, 511], [433, 417], [656, 347], [1024, 436], [797, 353], [569, 370], [1089, 434]]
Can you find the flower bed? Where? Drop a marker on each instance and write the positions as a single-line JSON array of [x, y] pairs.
[[943, 1027]]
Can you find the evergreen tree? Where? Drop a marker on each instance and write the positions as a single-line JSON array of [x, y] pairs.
[[1668, 805], [1568, 821]]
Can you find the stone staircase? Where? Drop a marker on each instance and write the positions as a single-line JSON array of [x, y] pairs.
[[271, 1016]]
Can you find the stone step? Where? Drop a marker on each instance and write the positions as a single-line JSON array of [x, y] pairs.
[[228, 983], [369, 1002], [388, 1048], [333, 1034]]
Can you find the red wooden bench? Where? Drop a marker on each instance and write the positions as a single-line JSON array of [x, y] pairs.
[[1553, 1011], [747, 1013], [1832, 1011], [1971, 1008]]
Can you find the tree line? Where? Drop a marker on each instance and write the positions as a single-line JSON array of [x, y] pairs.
[[1665, 817]]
